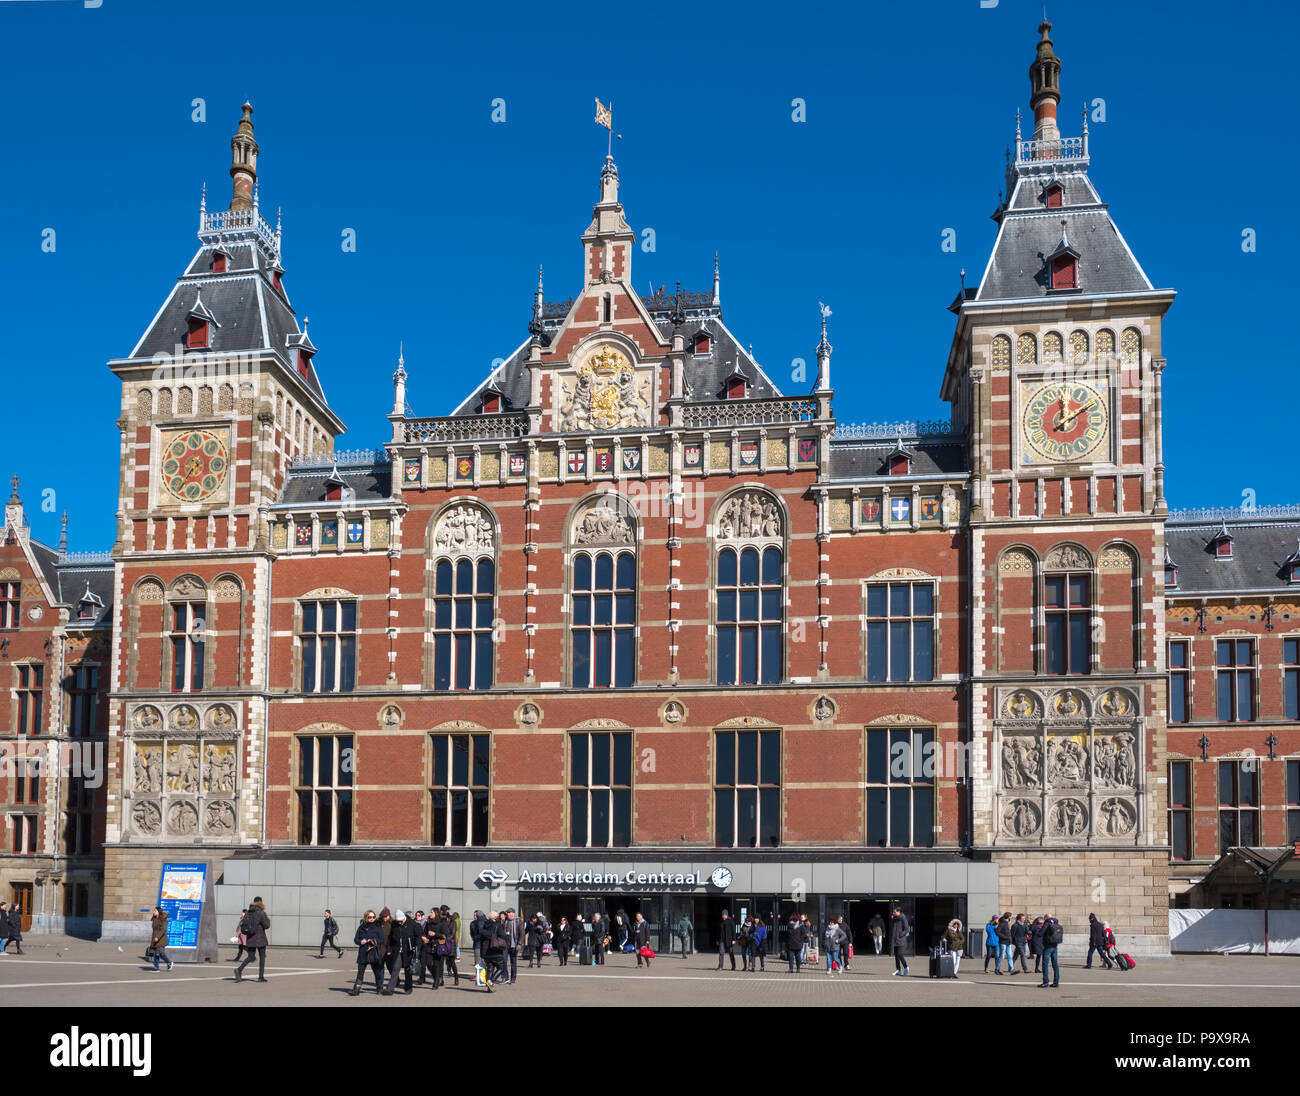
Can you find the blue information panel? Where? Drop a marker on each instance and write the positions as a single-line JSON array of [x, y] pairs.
[[180, 895]]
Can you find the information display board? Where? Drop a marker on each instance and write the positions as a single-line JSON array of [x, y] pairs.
[[180, 895]]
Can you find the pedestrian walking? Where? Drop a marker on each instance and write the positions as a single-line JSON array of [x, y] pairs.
[[369, 939], [794, 943], [1020, 942], [158, 938], [15, 920], [239, 937], [402, 942], [1096, 942], [955, 939], [563, 940], [727, 939], [4, 927], [622, 928], [448, 947], [758, 937], [1111, 949], [1053, 934], [1004, 944], [536, 940], [1036, 942], [743, 942], [835, 938], [599, 940], [641, 941], [846, 952], [685, 930], [430, 962], [495, 942], [809, 936], [514, 941], [254, 926], [330, 929], [899, 930], [476, 936], [876, 926], [991, 944]]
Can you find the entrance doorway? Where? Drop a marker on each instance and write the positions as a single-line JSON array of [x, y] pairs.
[[22, 900], [609, 906]]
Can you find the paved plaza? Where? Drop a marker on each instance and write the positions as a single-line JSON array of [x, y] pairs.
[[62, 971]]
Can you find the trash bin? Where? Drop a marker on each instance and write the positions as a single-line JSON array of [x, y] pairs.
[[975, 943]]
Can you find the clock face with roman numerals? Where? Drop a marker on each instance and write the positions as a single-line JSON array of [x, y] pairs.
[[1064, 423], [195, 464]]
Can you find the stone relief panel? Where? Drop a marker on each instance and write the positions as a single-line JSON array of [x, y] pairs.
[[602, 523], [182, 781], [464, 529], [749, 515], [1073, 755], [605, 393]]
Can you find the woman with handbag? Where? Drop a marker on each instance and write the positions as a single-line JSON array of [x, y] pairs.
[[447, 950], [369, 940], [158, 941], [641, 941]]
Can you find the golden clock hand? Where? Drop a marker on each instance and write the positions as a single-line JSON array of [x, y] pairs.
[[1077, 412]]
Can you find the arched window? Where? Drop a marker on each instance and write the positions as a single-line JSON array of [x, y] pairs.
[[1000, 354], [1105, 346], [1067, 610], [1079, 347], [602, 621], [464, 591], [1026, 350], [1130, 347], [1052, 346], [144, 404], [750, 589]]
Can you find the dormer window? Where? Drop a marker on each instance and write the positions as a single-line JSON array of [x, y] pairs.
[[198, 337], [702, 344], [1291, 566], [1053, 196], [277, 279], [1221, 544], [491, 405], [900, 464], [736, 388], [1171, 576], [219, 260], [334, 490], [304, 363], [1065, 272]]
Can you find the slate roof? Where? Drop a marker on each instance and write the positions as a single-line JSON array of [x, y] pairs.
[[251, 313], [1029, 232], [852, 459], [1258, 552], [705, 373], [306, 484], [67, 582]]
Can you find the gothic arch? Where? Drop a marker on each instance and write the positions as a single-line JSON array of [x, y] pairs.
[[602, 518]]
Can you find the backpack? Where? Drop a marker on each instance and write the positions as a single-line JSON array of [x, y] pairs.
[[247, 925], [1054, 934]]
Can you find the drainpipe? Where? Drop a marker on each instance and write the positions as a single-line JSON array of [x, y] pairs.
[[266, 698]]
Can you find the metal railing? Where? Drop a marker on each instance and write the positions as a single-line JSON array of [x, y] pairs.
[[227, 220], [933, 428], [1235, 513], [469, 428], [1038, 152], [772, 412]]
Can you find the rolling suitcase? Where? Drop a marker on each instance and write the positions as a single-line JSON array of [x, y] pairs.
[[943, 964], [584, 951], [1125, 963]]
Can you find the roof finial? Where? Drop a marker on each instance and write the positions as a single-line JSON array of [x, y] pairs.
[[539, 308], [1017, 124], [1085, 117], [717, 282], [14, 483], [399, 383], [63, 532], [824, 349]]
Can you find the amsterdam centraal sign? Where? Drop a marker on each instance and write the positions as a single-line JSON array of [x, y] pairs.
[[495, 877]]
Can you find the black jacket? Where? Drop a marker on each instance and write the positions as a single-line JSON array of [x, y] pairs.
[[535, 934], [1036, 938], [899, 931], [641, 934], [564, 935], [476, 929], [1096, 932], [331, 926], [514, 932], [255, 923], [1019, 933], [794, 936], [1004, 930], [402, 940], [727, 932], [493, 937], [15, 920], [369, 932]]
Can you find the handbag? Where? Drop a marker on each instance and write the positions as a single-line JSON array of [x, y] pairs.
[[647, 952]]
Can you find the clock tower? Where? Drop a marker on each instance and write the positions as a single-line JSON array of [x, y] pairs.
[[1054, 374], [219, 395]]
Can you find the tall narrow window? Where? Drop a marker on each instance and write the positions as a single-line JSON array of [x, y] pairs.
[[900, 631], [747, 789], [1238, 804], [1179, 682], [78, 819], [600, 790], [23, 829], [26, 781], [83, 701], [31, 694], [458, 795], [463, 608], [900, 787], [1180, 810], [1234, 680], [749, 616], [10, 604], [1291, 678], [188, 629], [325, 766], [1067, 608], [604, 620], [329, 646], [1292, 802]]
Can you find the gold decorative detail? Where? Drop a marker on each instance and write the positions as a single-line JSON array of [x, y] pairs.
[[1068, 704], [1015, 561], [1115, 559], [380, 533], [438, 469], [720, 456], [1021, 705], [183, 718], [606, 362], [778, 452], [280, 535], [1115, 702], [658, 458], [1130, 346], [1078, 347], [548, 463], [1026, 350], [1000, 352], [1105, 345], [489, 466], [182, 767], [32, 590], [9, 574], [1052, 347], [841, 514], [226, 589]]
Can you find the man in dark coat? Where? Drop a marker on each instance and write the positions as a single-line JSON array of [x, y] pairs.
[[563, 940], [15, 929], [369, 940], [899, 931], [1036, 942], [641, 938], [1052, 936], [330, 930], [476, 934], [401, 952], [254, 925], [727, 939], [514, 941], [536, 936], [794, 941], [1020, 941], [598, 933], [494, 942], [1096, 942]]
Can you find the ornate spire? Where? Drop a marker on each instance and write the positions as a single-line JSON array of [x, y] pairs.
[[1045, 80], [243, 161], [678, 314], [399, 383], [824, 349], [14, 484], [539, 307], [63, 532], [717, 283]]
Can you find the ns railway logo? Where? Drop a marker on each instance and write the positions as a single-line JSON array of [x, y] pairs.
[[495, 878]]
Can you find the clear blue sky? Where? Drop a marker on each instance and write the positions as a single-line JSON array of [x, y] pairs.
[[378, 118]]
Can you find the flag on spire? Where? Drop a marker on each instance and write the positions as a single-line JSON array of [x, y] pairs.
[[604, 115]]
